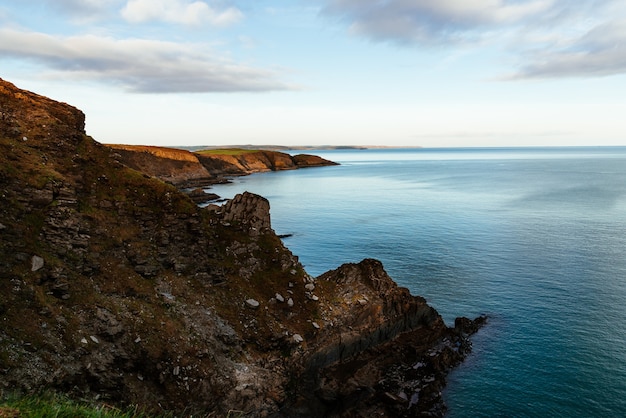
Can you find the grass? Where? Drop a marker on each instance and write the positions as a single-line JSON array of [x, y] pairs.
[[56, 406], [227, 151]]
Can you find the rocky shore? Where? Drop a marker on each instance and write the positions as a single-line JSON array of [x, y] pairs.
[[116, 287]]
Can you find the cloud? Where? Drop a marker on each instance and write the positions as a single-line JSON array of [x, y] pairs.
[[180, 12], [601, 51], [548, 38], [430, 22], [80, 9], [138, 65]]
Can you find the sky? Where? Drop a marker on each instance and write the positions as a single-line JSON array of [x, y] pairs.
[[431, 73]]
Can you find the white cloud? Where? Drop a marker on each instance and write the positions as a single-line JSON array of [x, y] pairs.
[[599, 52], [180, 12], [138, 65], [84, 10], [549, 38], [427, 21]]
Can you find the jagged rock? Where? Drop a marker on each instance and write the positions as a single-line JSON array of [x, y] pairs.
[[250, 211], [37, 263], [279, 297], [297, 338]]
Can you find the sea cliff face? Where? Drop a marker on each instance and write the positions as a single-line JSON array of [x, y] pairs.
[[186, 169], [116, 286]]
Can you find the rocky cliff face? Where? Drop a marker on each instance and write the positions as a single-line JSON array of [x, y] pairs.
[[115, 286], [186, 169]]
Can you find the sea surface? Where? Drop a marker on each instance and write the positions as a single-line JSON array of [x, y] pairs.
[[533, 237]]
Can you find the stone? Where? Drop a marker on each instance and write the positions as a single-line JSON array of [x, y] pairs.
[[2, 227], [290, 302], [297, 338], [315, 325], [94, 339], [280, 297], [252, 303], [37, 263], [310, 287]]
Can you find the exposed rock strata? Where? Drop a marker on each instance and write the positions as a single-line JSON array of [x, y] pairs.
[[117, 287], [194, 170]]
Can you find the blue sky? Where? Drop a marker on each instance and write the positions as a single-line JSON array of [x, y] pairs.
[[342, 72]]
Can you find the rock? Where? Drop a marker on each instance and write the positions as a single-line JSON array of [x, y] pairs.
[[37, 263], [306, 160], [290, 302], [251, 303], [249, 211], [2, 227], [279, 297], [94, 339], [310, 287], [297, 338], [315, 325], [199, 196]]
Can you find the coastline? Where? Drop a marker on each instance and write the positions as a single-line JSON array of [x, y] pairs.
[[140, 297]]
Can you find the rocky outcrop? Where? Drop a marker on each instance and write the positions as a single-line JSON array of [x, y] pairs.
[[135, 295], [250, 211], [380, 352]]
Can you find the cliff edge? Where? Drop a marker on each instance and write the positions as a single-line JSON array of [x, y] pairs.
[[117, 287]]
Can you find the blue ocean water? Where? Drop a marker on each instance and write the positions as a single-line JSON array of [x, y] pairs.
[[533, 237]]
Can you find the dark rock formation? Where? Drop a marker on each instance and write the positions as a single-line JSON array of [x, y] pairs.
[[249, 211], [116, 286]]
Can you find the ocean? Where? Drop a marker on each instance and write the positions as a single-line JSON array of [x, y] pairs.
[[533, 237]]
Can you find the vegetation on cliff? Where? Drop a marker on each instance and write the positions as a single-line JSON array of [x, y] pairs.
[[116, 286]]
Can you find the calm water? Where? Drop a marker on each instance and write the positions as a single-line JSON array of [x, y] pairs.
[[535, 238]]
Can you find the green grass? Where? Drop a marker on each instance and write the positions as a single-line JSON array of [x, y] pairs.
[[227, 151], [55, 406]]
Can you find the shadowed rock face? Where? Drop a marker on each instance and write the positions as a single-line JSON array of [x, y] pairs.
[[116, 286], [249, 211]]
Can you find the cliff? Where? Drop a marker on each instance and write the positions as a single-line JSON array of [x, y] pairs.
[[117, 287], [186, 169]]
